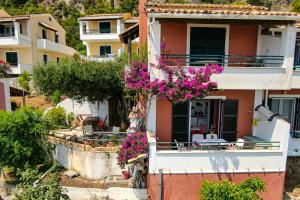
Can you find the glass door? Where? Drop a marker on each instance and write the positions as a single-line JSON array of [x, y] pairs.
[[180, 122], [207, 45], [229, 120]]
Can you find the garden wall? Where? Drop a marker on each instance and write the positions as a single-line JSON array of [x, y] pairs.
[[91, 163]]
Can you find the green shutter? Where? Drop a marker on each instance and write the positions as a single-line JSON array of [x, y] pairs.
[[180, 122]]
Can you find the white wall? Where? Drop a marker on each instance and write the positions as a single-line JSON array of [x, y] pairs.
[[90, 165], [6, 94], [85, 108], [270, 45]]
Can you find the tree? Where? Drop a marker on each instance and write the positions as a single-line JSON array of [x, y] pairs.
[[23, 138], [24, 81], [83, 80], [130, 6], [225, 190]]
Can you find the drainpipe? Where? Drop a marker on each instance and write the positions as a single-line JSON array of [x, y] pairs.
[[160, 185], [266, 98]]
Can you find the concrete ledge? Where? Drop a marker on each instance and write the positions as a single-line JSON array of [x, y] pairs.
[[112, 193]]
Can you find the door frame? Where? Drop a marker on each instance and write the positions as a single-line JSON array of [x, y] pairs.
[[227, 29]]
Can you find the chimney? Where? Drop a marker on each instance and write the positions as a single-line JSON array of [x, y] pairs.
[[143, 28]]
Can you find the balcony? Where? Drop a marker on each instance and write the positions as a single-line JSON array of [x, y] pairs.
[[97, 34], [266, 155], [262, 71], [49, 45], [11, 36], [14, 39], [106, 58], [19, 68]]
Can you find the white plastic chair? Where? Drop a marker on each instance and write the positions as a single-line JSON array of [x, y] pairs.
[[88, 129], [115, 129], [240, 143], [179, 145], [197, 138]]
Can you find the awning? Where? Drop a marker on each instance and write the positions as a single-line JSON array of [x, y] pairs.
[[132, 33], [47, 26], [15, 92]]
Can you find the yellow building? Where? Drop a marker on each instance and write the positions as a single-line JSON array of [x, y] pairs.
[[28, 40], [100, 34]]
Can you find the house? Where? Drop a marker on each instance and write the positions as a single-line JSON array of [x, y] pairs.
[[100, 34], [258, 83], [28, 40]]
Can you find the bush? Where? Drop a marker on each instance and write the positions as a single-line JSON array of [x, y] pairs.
[[55, 97], [57, 117], [226, 190], [71, 117], [48, 189], [133, 145], [23, 138]]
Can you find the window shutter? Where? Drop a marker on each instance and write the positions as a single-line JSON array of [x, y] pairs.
[[180, 122]]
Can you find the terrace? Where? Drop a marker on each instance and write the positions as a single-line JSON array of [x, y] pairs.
[[262, 151]]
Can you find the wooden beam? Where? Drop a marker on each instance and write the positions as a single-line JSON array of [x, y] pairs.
[[229, 21]]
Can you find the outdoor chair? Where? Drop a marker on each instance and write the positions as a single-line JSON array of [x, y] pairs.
[[240, 143], [87, 130], [179, 145], [197, 138]]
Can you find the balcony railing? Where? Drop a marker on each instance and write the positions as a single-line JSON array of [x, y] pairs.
[[226, 60], [12, 34], [217, 146], [99, 31]]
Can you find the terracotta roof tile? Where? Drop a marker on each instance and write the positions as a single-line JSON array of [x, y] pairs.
[[168, 8]]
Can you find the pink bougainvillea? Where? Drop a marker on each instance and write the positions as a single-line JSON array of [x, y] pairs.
[[179, 84], [133, 145]]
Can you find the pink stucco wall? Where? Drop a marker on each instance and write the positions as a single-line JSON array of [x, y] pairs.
[[2, 97], [187, 186]]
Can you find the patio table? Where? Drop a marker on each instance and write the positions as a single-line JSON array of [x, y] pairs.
[[213, 143]]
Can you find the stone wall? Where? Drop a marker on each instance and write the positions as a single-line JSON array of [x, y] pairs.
[[91, 163]]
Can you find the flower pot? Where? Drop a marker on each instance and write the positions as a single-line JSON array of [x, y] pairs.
[[110, 144], [125, 175]]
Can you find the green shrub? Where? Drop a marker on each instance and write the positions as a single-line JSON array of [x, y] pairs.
[[226, 190], [57, 117], [46, 189], [55, 97], [23, 138], [71, 117], [296, 6]]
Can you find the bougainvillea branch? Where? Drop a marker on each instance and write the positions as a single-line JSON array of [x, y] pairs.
[[179, 84]]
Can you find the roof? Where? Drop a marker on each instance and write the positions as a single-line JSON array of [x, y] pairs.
[[132, 20], [3, 13], [47, 26], [106, 16], [132, 32], [218, 11]]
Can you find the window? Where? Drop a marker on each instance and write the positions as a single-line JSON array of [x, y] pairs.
[[21, 29], [57, 59], [11, 58], [44, 34], [297, 54], [56, 37], [286, 107], [104, 27], [45, 58], [105, 50], [7, 30]]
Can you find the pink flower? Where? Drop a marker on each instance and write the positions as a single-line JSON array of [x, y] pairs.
[[188, 96]]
